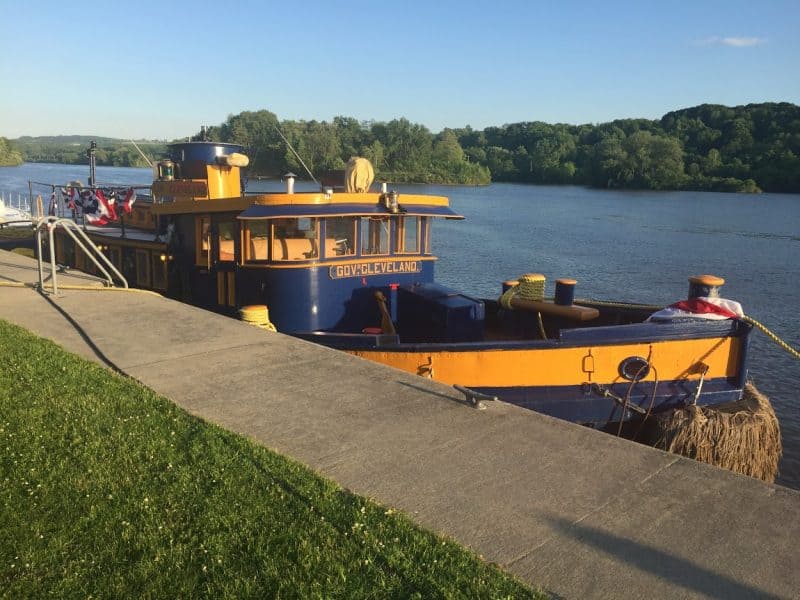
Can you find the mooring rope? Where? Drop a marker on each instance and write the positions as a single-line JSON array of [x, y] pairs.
[[772, 336], [528, 287], [257, 315], [744, 318]]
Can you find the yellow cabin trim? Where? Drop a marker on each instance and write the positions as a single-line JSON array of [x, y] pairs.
[[311, 263], [318, 198], [202, 205], [184, 204]]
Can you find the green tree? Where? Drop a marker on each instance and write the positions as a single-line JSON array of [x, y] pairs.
[[408, 145], [447, 148], [656, 161], [9, 157]]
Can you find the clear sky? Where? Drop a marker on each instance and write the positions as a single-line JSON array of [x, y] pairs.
[[159, 70]]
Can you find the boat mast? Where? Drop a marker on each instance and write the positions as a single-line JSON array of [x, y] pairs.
[[92, 162]]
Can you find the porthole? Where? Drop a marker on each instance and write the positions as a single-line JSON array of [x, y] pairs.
[[634, 368]]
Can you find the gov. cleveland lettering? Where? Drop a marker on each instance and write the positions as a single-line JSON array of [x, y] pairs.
[[375, 268]]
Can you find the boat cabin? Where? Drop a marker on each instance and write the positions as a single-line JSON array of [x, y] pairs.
[[315, 259]]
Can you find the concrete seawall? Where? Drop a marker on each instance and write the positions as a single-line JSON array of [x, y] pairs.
[[577, 512]]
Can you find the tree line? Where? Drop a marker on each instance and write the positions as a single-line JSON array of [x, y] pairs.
[[71, 150], [707, 147], [399, 150]]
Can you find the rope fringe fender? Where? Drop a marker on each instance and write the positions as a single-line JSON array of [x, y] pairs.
[[743, 437]]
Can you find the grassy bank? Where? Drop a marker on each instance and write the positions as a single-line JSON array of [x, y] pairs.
[[109, 490]]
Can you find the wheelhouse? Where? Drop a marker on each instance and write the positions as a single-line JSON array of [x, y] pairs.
[[316, 259]]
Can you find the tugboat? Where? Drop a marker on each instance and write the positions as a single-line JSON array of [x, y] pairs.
[[351, 268]]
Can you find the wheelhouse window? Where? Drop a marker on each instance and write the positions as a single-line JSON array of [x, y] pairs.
[[408, 235], [158, 268], [374, 235], [115, 256], [255, 244], [225, 232], [425, 226], [295, 239], [340, 236], [202, 240], [142, 267]]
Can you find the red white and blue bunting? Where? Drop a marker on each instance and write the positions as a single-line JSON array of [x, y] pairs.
[[99, 205]]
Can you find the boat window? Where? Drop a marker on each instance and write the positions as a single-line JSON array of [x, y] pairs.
[[203, 240], [225, 231], [340, 236], [408, 235], [158, 266], [295, 239], [426, 230], [115, 256], [256, 238], [142, 268], [65, 251], [80, 260], [128, 264], [374, 235]]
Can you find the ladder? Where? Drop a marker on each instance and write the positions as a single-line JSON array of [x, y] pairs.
[[82, 241]]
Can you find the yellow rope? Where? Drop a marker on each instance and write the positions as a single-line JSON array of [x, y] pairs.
[[772, 336], [529, 287], [257, 315], [505, 299]]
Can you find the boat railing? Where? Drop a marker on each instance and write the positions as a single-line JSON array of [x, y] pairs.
[[82, 241]]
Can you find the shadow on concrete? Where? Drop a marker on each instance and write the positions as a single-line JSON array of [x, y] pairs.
[[680, 572], [454, 398], [19, 266], [85, 337]]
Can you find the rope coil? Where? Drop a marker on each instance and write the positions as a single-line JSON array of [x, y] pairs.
[[257, 315], [528, 287]]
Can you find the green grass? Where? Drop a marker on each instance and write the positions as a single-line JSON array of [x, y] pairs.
[[108, 490]]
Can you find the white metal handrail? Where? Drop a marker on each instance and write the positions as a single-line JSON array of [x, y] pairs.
[[89, 249]]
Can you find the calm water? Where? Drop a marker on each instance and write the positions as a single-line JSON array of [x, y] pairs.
[[628, 246]]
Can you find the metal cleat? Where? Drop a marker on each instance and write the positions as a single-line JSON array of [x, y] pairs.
[[475, 398]]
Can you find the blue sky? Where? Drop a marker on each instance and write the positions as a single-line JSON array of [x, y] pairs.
[[161, 69]]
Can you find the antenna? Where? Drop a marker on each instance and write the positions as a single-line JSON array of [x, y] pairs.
[[283, 137], [144, 156]]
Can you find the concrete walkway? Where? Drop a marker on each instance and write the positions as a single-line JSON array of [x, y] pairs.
[[578, 513]]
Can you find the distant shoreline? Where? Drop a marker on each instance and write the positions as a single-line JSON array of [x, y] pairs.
[[390, 181]]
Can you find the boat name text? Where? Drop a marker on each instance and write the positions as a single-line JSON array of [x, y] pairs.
[[375, 268]]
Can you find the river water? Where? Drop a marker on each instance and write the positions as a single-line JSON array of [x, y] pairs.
[[625, 246]]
